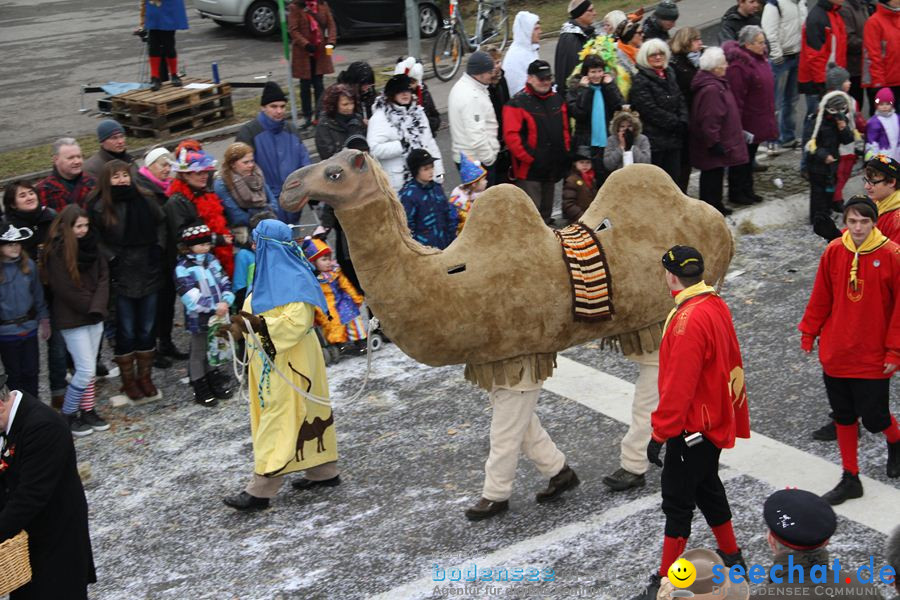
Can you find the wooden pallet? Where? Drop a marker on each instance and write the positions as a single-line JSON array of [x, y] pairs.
[[144, 113]]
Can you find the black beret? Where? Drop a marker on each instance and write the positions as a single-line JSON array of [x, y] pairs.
[[683, 261], [799, 519]]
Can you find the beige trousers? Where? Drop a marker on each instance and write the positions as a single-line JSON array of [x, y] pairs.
[[646, 398], [267, 487], [515, 428]]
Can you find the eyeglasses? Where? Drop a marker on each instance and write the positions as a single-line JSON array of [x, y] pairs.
[[655, 54], [872, 182]]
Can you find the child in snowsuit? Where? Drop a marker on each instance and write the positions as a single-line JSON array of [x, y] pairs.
[[204, 289], [831, 130], [343, 326], [580, 186], [432, 220], [473, 181]]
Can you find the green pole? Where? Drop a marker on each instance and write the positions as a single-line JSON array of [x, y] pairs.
[[286, 42]]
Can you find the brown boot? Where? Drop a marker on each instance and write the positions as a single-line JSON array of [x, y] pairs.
[[126, 372], [144, 371], [57, 402], [563, 481]]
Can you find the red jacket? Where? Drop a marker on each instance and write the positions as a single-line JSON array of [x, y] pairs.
[[856, 329], [701, 375], [881, 49], [53, 193], [889, 225], [824, 35], [536, 130]]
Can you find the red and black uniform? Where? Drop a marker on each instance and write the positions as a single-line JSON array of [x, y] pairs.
[[701, 389], [889, 220], [824, 40], [536, 130], [859, 332], [56, 192]]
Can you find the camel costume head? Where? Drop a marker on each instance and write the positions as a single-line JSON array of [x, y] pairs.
[[502, 291]]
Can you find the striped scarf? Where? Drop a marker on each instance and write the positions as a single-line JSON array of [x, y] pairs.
[[588, 273]]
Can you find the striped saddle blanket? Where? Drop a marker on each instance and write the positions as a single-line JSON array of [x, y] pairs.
[[588, 273]]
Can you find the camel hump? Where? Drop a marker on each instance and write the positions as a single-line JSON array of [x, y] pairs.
[[504, 207]]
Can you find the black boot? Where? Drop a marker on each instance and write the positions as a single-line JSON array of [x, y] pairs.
[[825, 433], [167, 348], [732, 559], [651, 591], [202, 394], [155, 84], [849, 487], [161, 362], [175, 79], [622, 480], [218, 385], [563, 481], [893, 462], [485, 509], [303, 483], [245, 501]]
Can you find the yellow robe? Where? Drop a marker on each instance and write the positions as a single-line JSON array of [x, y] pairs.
[[283, 424]]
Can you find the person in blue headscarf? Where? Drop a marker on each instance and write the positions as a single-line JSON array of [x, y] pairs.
[[290, 431]]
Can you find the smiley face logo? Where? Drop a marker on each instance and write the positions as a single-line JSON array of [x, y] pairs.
[[682, 573]]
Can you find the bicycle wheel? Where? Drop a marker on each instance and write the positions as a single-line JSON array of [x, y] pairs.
[[446, 55], [494, 27]]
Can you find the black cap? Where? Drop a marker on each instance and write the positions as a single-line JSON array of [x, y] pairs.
[[418, 158], [272, 92], [683, 261], [582, 153], [885, 164], [859, 201], [540, 69], [799, 519], [397, 84]]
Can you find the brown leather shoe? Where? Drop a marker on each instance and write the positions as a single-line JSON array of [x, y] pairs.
[[127, 373], [563, 481], [485, 509]]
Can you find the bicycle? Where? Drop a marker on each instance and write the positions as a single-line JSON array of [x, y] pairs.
[[491, 27]]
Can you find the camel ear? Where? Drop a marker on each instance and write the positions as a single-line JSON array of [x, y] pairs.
[[358, 162]]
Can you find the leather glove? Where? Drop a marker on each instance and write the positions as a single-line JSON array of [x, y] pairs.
[[825, 228], [717, 149], [44, 329], [653, 450], [311, 48], [806, 342]]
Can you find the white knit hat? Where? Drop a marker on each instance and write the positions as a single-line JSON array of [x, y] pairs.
[[155, 154]]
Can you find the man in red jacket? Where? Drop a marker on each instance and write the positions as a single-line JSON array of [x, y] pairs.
[[536, 130], [881, 50], [702, 409], [855, 313]]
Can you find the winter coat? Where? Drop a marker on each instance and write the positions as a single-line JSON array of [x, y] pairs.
[[76, 305], [201, 283], [855, 13], [301, 35], [572, 38], [877, 140], [828, 143], [431, 218], [782, 21], [38, 221], [234, 213], [580, 104], [148, 186], [21, 295], [753, 85], [824, 40], [424, 99], [881, 53], [168, 15], [733, 22], [715, 119], [57, 193], [662, 108], [536, 131], [684, 74], [41, 492], [499, 93], [94, 165], [653, 30], [135, 271], [614, 154], [332, 133], [576, 196], [385, 144], [522, 52], [473, 123]]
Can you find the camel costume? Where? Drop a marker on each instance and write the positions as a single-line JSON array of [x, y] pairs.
[[507, 269], [290, 433]]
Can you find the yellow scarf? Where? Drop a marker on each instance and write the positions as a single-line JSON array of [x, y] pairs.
[[890, 203], [698, 289], [873, 242]]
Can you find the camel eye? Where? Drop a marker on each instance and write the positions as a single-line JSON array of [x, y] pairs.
[[334, 173]]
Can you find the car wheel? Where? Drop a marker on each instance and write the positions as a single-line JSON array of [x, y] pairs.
[[262, 18], [429, 20]]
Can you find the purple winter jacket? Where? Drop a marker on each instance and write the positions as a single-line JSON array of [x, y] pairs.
[[753, 86], [715, 118], [875, 133]]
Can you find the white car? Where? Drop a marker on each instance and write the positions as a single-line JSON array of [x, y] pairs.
[[353, 17]]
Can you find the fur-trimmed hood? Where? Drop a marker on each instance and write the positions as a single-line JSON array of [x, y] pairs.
[[626, 115]]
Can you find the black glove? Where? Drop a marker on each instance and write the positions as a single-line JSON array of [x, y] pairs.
[[825, 228], [653, 450], [311, 48], [717, 149], [629, 139]]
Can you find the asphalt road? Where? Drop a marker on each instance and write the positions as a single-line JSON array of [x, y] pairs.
[[53, 47]]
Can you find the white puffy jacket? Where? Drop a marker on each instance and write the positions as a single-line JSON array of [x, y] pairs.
[[521, 52], [782, 22], [384, 144], [473, 123]]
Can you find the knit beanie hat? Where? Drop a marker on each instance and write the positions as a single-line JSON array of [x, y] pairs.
[[666, 11], [577, 8], [314, 248], [864, 206], [418, 158], [835, 77], [155, 154], [397, 84], [272, 92], [108, 128], [480, 62], [884, 95], [196, 233], [470, 171]]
